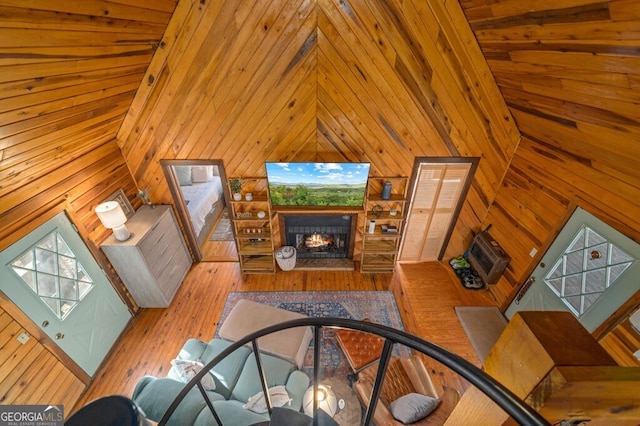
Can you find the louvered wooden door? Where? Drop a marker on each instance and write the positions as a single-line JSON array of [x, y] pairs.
[[436, 195]]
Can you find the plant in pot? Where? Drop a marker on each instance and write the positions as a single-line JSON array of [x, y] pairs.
[[235, 185]]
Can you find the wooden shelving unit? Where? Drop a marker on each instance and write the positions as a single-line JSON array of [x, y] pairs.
[[253, 233], [380, 249]]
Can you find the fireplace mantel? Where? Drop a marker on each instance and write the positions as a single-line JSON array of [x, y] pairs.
[[308, 210]]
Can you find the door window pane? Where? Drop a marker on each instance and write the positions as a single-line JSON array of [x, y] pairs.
[[587, 268], [52, 271]]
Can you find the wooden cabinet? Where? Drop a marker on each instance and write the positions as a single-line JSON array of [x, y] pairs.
[[549, 360], [154, 261], [252, 225], [385, 206]]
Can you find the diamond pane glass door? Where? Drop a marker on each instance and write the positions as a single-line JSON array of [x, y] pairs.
[[53, 278], [51, 270], [588, 267]]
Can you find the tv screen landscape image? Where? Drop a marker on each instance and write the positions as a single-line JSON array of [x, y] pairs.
[[317, 184]]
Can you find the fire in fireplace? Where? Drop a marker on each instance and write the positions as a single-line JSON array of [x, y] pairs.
[[318, 241], [314, 236]]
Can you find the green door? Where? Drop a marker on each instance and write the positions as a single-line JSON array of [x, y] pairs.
[[53, 278], [591, 269]]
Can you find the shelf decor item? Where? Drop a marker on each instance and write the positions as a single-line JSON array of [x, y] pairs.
[[377, 210], [236, 187], [248, 196], [286, 257], [386, 190], [372, 226]]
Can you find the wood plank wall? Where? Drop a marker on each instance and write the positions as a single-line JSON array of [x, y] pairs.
[[383, 82], [69, 71], [570, 72], [31, 374]]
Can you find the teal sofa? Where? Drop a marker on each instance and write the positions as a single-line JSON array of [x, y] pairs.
[[236, 378]]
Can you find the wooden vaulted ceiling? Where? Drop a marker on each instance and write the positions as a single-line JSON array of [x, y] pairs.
[[318, 80]]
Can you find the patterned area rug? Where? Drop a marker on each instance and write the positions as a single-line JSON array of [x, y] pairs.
[[379, 306]]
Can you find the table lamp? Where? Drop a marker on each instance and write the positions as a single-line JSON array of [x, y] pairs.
[[327, 400], [112, 217]]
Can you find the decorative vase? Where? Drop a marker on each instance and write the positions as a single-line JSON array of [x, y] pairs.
[[386, 190], [248, 196]]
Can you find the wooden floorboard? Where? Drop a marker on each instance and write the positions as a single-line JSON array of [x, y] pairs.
[[426, 294]]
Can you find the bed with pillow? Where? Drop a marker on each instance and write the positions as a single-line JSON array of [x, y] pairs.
[[203, 195]]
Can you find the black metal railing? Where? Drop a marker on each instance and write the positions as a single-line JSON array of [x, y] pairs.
[[503, 397]]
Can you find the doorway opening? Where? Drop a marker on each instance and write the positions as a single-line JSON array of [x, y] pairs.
[[199, 193]]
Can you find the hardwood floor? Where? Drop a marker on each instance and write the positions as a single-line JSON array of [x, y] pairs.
[[426, 295], [219, 251]]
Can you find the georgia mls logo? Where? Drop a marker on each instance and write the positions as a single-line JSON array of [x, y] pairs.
[[31, 415]]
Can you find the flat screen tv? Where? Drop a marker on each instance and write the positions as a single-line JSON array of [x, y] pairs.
[[317, 184]]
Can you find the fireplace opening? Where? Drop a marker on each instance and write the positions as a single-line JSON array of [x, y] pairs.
[[319, 237]]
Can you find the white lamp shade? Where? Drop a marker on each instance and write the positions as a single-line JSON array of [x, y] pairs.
[[327, 401], [111, 214]]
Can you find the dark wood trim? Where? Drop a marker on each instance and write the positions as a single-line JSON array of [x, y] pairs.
[[463, 194], [32, 328], [179, 203]]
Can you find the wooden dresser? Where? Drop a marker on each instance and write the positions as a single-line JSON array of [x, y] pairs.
[[154, 261]]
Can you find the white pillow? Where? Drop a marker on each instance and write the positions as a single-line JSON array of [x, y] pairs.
[[413, 407], [279, 397], [183, 173], [201, 174], [187, 369]]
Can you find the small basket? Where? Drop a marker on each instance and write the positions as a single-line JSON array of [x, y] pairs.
[[286, 257]]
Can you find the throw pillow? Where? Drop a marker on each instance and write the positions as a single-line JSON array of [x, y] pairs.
[[187, 370], [413, 407], [183, 173], [201, 174], [279, 398]]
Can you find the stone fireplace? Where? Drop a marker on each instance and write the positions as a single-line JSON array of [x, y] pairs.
[[319, 236]]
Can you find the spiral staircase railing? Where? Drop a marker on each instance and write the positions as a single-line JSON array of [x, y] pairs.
[[503, 397]]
